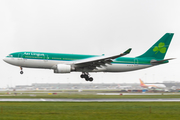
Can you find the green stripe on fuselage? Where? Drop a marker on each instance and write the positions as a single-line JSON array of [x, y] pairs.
[[127, 60]]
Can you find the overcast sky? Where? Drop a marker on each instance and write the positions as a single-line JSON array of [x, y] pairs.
[[88, 27]]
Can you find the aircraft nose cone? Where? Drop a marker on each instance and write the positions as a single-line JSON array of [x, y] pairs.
[[5, 60], [9, 60]]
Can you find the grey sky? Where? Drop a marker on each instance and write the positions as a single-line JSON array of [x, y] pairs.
[[87, 27]]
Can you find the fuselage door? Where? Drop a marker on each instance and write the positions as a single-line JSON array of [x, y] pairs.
[[21, 61], [135, 62], [46, 58], [20, 55]]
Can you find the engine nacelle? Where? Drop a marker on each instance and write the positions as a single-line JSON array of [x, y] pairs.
[[61, 68], [151, 87]]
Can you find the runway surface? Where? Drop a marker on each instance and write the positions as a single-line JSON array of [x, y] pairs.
[[91, 100]]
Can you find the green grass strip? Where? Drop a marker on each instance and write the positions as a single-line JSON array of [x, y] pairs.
[[89, 111]]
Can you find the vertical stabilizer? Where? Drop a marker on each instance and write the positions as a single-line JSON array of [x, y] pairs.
[[141, 83], [159, 49]]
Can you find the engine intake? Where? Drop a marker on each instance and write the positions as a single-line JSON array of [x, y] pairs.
[[61, 68]]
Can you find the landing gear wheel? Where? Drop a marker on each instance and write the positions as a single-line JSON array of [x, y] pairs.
[[21, 72], [82, 76], [90, 79], [85, 75], [87, 78]]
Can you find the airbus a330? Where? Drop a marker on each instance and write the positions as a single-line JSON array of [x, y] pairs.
[[66, 63]]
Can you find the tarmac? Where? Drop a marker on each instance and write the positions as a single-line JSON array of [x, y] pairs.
[[89, 100]]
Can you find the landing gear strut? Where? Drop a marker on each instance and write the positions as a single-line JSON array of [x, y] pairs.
[[21, 72], [86, 76]]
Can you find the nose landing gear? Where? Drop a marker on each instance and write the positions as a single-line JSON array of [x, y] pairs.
[[21, 72], [86, 76]]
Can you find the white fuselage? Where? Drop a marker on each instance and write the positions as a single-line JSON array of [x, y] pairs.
[[156, 85], [51, 64]]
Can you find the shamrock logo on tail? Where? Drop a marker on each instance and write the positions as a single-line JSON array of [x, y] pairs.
[[160, 48]]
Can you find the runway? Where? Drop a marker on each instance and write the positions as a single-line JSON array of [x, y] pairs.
[[89, 100]]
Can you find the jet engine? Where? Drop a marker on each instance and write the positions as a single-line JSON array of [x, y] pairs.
[[151, 87], [61, 68]]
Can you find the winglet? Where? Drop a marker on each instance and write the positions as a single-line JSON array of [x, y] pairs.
[[127, 51]]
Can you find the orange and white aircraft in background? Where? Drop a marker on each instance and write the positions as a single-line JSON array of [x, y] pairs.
[[151, 86]]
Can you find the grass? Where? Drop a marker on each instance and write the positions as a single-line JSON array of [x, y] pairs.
[[89, 111]]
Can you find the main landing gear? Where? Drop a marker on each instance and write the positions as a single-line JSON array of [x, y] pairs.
[[86, 77], [21, 72]]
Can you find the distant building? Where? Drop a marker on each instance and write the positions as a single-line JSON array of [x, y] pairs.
[[71, 86]]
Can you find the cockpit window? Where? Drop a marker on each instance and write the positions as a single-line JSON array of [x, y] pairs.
[[10, 55]]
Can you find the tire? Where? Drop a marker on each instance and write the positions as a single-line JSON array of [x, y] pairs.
[[21, 72], [82, 76], [87, 78], [91, 79]]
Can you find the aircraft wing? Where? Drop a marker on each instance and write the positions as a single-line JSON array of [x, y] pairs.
[[92, 63]]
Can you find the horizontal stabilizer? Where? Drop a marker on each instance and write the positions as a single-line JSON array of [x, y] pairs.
[[155, 62]]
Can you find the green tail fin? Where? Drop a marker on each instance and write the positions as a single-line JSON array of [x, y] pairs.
[[159, 49]]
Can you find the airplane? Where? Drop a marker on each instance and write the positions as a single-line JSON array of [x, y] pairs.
[[123, 87], [66, 63], [151, 86]]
